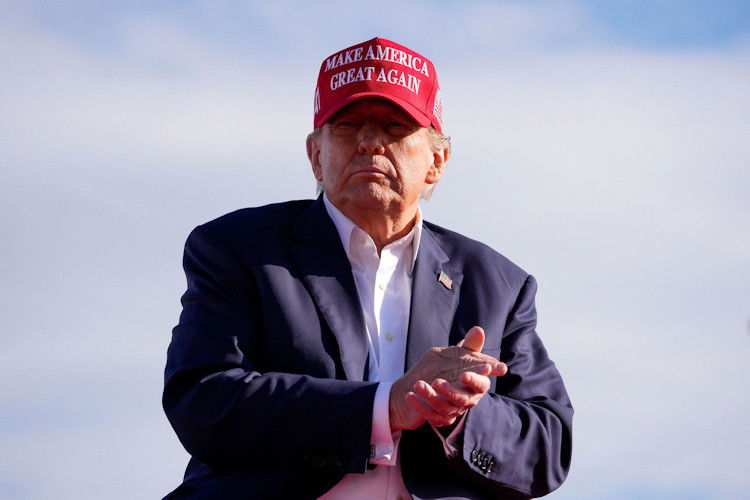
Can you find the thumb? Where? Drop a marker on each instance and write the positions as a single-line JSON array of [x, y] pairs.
[[474, 340]]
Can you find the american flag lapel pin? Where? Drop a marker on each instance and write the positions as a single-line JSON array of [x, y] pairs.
[[445, 280]]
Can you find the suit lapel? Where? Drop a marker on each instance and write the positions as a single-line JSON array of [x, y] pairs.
[[433, 304], [325, 269]]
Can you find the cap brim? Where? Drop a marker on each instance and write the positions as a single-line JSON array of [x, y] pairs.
[[418, 116]]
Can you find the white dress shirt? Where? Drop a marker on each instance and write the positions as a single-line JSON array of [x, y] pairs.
[[384, 288]]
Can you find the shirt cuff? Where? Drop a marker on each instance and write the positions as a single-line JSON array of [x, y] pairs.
[[449, 443], [384, 441]]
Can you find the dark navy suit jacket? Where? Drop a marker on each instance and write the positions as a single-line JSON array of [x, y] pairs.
[[265, 372]]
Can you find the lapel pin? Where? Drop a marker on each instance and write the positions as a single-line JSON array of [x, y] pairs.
[[445, 280]]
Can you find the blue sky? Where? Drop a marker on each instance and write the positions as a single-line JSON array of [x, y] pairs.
[[601, 145], [254, 29], [673, 24]]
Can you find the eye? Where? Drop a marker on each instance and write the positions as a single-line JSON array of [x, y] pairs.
[[397, 126], [344, 126]]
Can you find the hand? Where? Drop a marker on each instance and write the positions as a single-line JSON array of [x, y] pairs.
[[458, 378]]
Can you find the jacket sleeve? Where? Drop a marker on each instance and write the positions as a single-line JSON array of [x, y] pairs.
[[517, 440], [224, 408]]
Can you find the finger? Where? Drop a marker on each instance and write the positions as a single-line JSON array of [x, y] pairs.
[[436, 402], [491, 367], [461, 397], [475, 383], [499, 370], [474, 339], [432, 417], [452, 372], [484, 365], [450, 362], [459, 354]]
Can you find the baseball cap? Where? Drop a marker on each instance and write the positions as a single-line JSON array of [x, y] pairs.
[[379, 68]]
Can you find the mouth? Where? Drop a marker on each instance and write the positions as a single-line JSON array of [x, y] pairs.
[[372, 169], [370, 172]]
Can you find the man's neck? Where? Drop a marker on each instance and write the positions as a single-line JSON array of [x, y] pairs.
[[383, 226], [386, 230]]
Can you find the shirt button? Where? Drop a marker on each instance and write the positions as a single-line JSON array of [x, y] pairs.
[[362, 239], [381, 285], [388, 337]]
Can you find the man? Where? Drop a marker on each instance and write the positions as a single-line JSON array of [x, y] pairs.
[[344, 348]]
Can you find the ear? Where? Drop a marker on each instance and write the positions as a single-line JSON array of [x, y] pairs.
[[439, 160], [313, 154]]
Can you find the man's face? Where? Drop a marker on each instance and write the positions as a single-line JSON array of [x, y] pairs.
[[373, 156]]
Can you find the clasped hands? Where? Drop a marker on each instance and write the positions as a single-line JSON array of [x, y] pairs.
[[443, 384]]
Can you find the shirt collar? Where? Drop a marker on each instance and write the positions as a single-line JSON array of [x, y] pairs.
[[345, 228]]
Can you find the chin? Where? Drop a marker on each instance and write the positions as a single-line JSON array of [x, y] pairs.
[[374, 195]]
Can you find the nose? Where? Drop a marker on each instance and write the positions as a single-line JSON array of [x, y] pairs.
[[371, 139]]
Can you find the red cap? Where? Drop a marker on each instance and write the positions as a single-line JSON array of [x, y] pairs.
[[379, 68]]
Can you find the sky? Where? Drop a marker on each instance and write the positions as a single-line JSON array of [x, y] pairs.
[[600, 145]]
